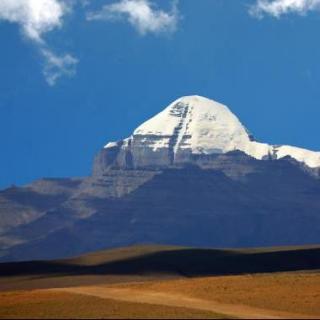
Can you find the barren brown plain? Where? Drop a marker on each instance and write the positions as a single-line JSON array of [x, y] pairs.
[[43, 304], [145, 290]]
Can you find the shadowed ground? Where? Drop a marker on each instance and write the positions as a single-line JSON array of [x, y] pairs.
[[186, 262]]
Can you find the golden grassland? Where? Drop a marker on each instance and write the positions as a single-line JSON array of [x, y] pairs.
[[166, 282], [296, 292], [42, 304]]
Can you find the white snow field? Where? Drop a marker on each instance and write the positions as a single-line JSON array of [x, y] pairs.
[[208, 127]]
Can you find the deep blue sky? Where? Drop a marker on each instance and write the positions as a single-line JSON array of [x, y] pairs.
[[267, 71]]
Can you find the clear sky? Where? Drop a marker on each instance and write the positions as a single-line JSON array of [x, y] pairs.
[[77, 74]]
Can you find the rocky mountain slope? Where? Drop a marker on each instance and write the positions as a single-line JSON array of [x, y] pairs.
[[192, 175]]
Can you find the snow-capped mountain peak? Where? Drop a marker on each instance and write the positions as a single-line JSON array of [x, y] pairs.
[[198, 123], [194, 125]]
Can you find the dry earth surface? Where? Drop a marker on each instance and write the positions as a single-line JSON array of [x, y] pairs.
[[46, 304], [293, 295], [264, 296], [128, 283]]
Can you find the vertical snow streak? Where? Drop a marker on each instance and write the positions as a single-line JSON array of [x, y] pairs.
[[179, 110]]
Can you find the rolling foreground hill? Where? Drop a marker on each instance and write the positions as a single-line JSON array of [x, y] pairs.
[[166, 282], [190, 176]]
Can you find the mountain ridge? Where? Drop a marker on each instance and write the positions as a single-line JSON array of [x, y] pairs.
[[168, 196], [194, 125]]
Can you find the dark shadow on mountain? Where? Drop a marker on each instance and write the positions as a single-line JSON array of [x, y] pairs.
[[238, 202], [182, 262]]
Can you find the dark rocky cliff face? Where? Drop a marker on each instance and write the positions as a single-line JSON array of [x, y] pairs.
[[227, 200], [234, 162]]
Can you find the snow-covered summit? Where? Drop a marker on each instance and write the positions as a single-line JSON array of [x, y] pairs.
[[197, 125], [202, 125]]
